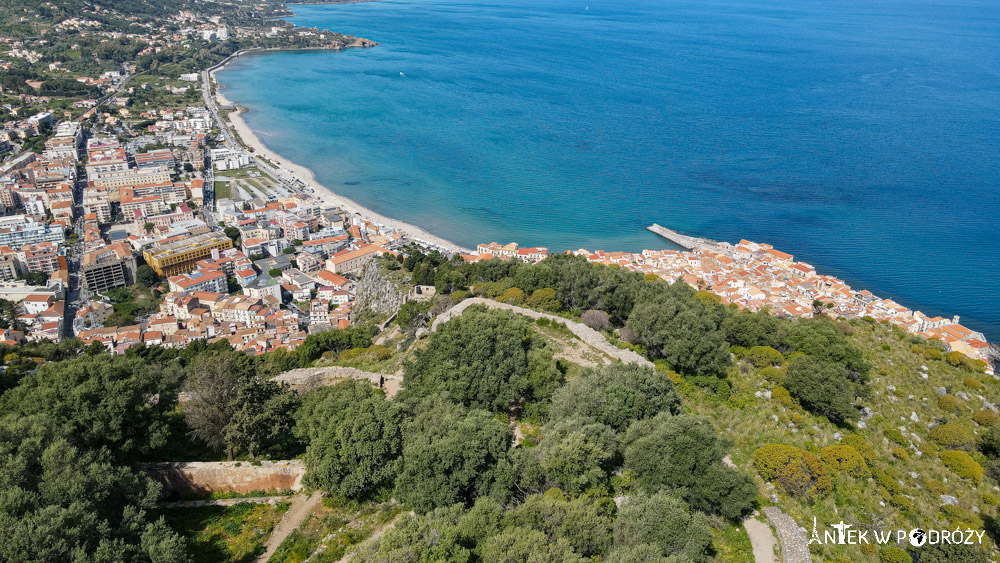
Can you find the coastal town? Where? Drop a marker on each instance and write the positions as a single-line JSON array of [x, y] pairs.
[[129, 178]]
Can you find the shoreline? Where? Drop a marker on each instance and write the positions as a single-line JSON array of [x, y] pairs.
[[320, 191]]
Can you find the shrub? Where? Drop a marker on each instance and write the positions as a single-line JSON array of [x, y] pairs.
[[986, 417], [822, 387], [993, 470], [900, 501], [972, 383], [763, 356], [949, 403], [917, 349], [936, 487], [512, 296], [861, 446], [597, 320], [932, 354], [886, 481], [781, 395], [900, 454], [989, 499], [459, 296], [773, 374], [894, 435], [845, 459], [893, 554], [928, 448], [797, 471], [955, 358], [954, 436], [963, 465], [989, 442]]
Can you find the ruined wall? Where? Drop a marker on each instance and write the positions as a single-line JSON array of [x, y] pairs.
[[200, 477]]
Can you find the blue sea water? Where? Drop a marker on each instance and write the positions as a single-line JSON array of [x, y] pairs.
[[863, 137]]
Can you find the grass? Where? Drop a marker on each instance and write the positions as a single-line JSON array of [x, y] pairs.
[[241, 173], [216, 534], [750, 421], [223, 191], [334, 528]]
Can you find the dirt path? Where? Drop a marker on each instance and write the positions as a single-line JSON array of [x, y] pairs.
[[302, 506], [761, 539]]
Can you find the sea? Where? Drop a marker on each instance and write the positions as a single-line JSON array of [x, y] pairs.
[[862, 137]]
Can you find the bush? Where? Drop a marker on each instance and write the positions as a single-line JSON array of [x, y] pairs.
[[936, 487], [993, 470], [764, 356], [933, 354], [780, 394], [459, 296], [773, 374], [900, 454], [894, 435], [954, 436], [949, 403], [986, 417], [597, 320], [512, 296], [963, 465], [845, 459], [822, 387], [989, 499], [861, 446], [797, 471], [989, 442], [893, 554], [544, 299], [972, 383]]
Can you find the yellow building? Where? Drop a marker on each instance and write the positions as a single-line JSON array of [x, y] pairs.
[[179, 257]]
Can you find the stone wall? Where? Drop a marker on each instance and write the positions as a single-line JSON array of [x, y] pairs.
[[199, 477], [306, 378], [588, 335]]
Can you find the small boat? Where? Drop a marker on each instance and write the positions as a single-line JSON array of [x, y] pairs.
[[588, 7], [403, 75]]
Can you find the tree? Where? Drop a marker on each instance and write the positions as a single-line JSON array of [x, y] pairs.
[[148, 227], [213, 383], [684, 331], [663, 522], [288, 250], [356, 445], [233, 233], [822, 387], [582, 524], [684, 454], [335, 341], [146, 276], [36, 278], [188, 167], [454, 456], [820, 338], [616, 395], [597, 320], [274, 273], [574, 455], [262, 417], [484, 359]]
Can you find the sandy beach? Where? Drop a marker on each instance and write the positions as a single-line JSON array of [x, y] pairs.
[[322, 192]]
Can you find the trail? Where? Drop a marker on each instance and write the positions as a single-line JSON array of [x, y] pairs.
[[372, 538], [302, 507], [761, 537]]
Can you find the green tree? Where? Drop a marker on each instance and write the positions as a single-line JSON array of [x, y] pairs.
[[454, 456], [574, 455], [335, 341], [684, 454], [274, 273], [233, 233], [146, 276], [820, 338], [616, 395], [684, 331], [484, 359], [262, 417], [664, 523], [583, 524], [355, 439], [822, 387]]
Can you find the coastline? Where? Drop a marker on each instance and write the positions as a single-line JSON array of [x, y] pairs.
[[321, 192]]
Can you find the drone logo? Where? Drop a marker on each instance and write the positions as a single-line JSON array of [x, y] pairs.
[[918, 537]]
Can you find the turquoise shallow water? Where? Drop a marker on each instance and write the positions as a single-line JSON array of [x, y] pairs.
[[862, 137]]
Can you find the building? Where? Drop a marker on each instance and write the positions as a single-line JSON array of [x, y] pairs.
[[181, 256], [213, 281], [352, 260], [108, 267], [42, 257], [19, 230], [8, 267]]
